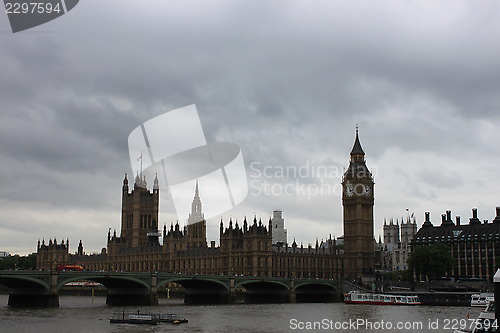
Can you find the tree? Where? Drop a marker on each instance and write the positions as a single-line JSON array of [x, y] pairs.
[[16, 262], [397, 276], [431, 261]]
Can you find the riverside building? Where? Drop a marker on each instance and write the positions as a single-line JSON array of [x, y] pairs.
[[474, 246]]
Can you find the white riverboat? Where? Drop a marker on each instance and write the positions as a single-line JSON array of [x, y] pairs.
[[485, 322], [481, 300], [355, 297]]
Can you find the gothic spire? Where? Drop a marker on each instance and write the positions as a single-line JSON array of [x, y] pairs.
[[357, 149], [80, 248], [196, 214], [156, 186]]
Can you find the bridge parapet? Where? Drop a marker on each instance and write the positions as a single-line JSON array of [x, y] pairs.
[[41, 288]]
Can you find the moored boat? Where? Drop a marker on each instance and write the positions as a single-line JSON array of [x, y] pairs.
[[170, 318], [128, 318], [354, 297], [146, 318], [485, 323], [481, 300]]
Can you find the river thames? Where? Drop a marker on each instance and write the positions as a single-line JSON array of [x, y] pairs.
[[82, 314]]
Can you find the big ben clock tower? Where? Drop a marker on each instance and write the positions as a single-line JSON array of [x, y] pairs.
[[357, 200]]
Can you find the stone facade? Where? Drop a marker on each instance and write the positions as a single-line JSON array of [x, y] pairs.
[[50, 254], [243, 250], [396, 248], [250, 248]]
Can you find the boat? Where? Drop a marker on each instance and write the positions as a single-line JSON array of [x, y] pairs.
[[481, 300], [355, 297], [485, 322], [170, 318], [146, 318], [135, 318]]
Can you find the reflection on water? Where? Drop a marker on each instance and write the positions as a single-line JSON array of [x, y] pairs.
[[83, 314]]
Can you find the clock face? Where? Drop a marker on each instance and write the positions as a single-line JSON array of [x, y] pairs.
[[367, 190], [349, 190], [358, 189]]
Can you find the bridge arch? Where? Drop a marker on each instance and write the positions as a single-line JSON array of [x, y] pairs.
[[271, 283], [200, 290], [315, 283], [264, 291], [193, 281], [108, 281], [24, 290], [315, 292], [18, 281], [122, 288]]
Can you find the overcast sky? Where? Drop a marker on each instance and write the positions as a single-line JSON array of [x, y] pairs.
[[285, 80]]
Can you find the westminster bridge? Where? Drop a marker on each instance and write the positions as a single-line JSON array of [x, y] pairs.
[[41, 288]]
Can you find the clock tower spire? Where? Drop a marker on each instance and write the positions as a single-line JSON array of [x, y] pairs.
[[357, 201], [357, 153]]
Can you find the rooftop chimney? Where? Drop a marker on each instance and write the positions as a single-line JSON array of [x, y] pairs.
[[448, 220], [427, 222], [458, 219], [474, 219], [497, 218]]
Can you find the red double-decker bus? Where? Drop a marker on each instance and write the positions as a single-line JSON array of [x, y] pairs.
[[67, 267]]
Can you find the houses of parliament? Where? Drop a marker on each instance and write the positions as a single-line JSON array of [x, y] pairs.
[[252, 248]]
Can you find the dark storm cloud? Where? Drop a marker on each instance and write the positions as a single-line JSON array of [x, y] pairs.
[[285, 80]]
